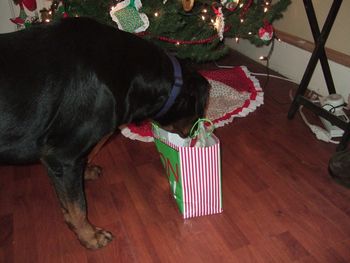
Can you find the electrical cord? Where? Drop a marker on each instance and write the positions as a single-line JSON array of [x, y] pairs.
[[333, 108], [274, 76], [267, 74], [320, 133]]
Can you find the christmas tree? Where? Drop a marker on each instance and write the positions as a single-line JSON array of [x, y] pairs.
[[194, 29]]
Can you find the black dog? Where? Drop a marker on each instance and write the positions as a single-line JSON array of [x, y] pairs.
[[65, 87]]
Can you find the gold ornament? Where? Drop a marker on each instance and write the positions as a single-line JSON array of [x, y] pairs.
[[187, 5]]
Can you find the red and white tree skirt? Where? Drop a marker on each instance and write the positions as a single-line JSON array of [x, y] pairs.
[[234, 93]]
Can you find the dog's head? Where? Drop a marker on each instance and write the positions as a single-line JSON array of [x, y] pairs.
[[152, 96], [147, 76], [190, 103]]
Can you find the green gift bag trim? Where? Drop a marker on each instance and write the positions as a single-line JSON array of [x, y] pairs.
[[170, 159]]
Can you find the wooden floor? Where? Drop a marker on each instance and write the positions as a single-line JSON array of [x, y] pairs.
[[280, 205]]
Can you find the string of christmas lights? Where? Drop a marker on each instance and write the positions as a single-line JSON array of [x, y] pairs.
[[196, 33], [237, 4]]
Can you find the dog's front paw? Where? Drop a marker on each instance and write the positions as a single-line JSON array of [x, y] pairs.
[[100, 238], [92, 172]]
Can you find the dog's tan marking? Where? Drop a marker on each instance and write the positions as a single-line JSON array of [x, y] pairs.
[[89, 236], [98, 147], [92, 172]]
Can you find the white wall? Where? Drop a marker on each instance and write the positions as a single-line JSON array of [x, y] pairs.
[[6, 12], [291, 62], [295, 22]]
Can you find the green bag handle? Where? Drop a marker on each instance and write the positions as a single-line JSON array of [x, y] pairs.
[[195, 128], [155, 128]]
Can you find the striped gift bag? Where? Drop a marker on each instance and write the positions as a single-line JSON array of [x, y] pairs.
[[194, 173]]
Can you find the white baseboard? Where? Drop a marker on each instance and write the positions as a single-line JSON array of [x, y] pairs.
[[291, 62]]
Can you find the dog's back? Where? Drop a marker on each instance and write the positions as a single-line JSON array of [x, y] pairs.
[[46, 75], [57, 78], [22, 95]]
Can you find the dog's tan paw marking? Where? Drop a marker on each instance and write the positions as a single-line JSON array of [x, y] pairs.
[[92, 172], [103, 237], [99, 239]]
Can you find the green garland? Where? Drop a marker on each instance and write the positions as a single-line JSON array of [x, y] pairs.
[[172, 28]]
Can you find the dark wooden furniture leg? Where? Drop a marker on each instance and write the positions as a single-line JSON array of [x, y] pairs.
[[319, 53]]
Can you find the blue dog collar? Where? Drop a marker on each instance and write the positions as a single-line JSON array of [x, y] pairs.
[[175, 89]]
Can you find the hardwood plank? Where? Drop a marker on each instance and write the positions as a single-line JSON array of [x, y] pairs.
[[342, 248], [292, 246], [6, 238], [140, 242]]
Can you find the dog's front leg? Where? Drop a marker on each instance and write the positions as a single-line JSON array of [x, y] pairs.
[[67, 179]]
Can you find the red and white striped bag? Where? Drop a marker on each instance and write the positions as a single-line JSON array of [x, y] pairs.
[[194, 173]]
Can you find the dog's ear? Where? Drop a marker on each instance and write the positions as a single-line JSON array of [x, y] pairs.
[[196, 85], [145, 96], [199, 90], [195, 91], [191, 102]]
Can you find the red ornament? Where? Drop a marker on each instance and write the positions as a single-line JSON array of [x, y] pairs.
[[29, 4], [266, 32]]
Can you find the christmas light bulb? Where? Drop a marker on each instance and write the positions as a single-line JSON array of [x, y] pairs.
[[204, 10], [156, 14]]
